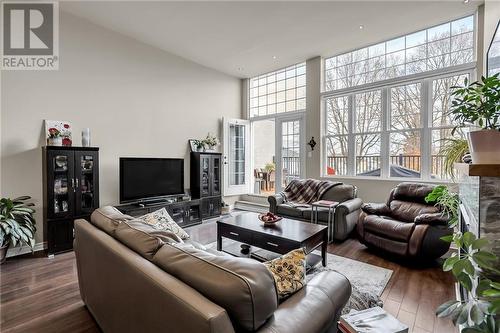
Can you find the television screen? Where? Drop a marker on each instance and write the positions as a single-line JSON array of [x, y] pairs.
[[147, 178]]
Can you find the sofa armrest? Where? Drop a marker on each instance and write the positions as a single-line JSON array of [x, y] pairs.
[[376, 208], [275, 200], [317, 306], [349, 206], [432, 219]]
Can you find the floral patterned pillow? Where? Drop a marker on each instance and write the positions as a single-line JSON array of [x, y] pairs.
[[161, 220], [289, 272]]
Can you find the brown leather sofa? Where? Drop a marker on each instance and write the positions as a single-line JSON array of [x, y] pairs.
[[405, 225], [134, 279], [346, 213]]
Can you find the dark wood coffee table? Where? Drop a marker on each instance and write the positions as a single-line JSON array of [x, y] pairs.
[[281, 238]]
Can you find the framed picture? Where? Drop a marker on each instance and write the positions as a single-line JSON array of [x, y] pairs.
[[58, 133], [192, 145]]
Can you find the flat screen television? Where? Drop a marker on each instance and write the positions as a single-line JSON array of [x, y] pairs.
[[146, 179]]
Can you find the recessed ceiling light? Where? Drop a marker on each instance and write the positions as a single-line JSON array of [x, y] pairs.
[[361, 27], [466, 1], [274, 57]]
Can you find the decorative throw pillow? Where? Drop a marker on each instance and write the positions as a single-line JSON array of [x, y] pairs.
[[289, 272], [161, 220]]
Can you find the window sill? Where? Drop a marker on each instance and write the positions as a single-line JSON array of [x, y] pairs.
[[419, 180]]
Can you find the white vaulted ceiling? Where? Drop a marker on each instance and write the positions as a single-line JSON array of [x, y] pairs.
[[242, 38]]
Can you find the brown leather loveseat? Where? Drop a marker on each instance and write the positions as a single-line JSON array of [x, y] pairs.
[[406, 225]]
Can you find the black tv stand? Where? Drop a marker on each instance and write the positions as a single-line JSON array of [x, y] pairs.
[[184, 212]]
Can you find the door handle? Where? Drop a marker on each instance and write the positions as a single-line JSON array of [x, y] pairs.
[[73, 184], [272, 244], [77, 183], [234, 233]]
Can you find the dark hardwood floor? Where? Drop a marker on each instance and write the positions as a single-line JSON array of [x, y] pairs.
[[40, 295]]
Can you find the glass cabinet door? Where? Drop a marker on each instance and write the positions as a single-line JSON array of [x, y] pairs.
[[61, 183], [216, 172], [86, 182], [205, 175]]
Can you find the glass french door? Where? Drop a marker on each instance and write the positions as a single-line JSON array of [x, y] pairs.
[[236, 156], [290, 148]]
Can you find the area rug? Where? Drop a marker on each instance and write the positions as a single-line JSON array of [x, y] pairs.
[[367, 281]]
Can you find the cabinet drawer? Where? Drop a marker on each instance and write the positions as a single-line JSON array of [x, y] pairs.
[[239, 235], [277, 245]]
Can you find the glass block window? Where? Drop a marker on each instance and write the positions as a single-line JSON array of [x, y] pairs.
[[442, 46], [277, 92]]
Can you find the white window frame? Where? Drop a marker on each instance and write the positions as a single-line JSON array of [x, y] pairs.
[[424, 73], [385, 86]]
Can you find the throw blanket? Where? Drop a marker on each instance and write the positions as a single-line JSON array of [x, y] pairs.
[[306, 191]]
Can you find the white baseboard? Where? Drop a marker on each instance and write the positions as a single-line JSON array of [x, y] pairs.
[[251, 206], [20, 250]]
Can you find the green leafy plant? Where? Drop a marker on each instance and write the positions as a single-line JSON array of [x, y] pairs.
[[477, 103], [447, 202], [479, 313], [270, 167], [17, 224], [452, 151], [211, 141]]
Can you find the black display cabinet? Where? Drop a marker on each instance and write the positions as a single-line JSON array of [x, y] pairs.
[[70, 191], [206, 182]]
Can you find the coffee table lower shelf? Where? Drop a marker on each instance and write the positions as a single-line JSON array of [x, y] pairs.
[[234, 248]]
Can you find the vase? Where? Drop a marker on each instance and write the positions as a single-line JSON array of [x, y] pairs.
[[484, 146], [86, 137], [55, 141], [3, 253]]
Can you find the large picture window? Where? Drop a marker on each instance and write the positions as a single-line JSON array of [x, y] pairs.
[[386, 139], [445, 45], [387, 104], [277, 92]]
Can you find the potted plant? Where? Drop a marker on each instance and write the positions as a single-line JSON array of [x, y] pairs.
[[17, 224], [478, 103], [453, 151], [479, 313], [55, 137], [270, 167], [211, 141]]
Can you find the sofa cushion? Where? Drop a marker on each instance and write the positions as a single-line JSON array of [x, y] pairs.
[[161, 220], [413, 192], [340, 193], [289, 272], [388, 228], [143, 238], [408, 211], [287, 209], [108, 218], [244, 287]]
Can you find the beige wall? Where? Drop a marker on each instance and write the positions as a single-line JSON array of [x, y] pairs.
[[137, 101]]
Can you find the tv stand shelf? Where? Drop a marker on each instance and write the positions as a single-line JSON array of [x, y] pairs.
[[185, 213]]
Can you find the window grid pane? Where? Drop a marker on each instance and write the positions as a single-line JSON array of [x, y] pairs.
[[280, 91], [448, 44]]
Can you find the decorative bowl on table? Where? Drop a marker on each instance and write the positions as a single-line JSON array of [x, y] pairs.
[[269, 218]]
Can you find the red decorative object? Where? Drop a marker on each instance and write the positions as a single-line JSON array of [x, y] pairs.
[[66, 142], [269, 218]]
